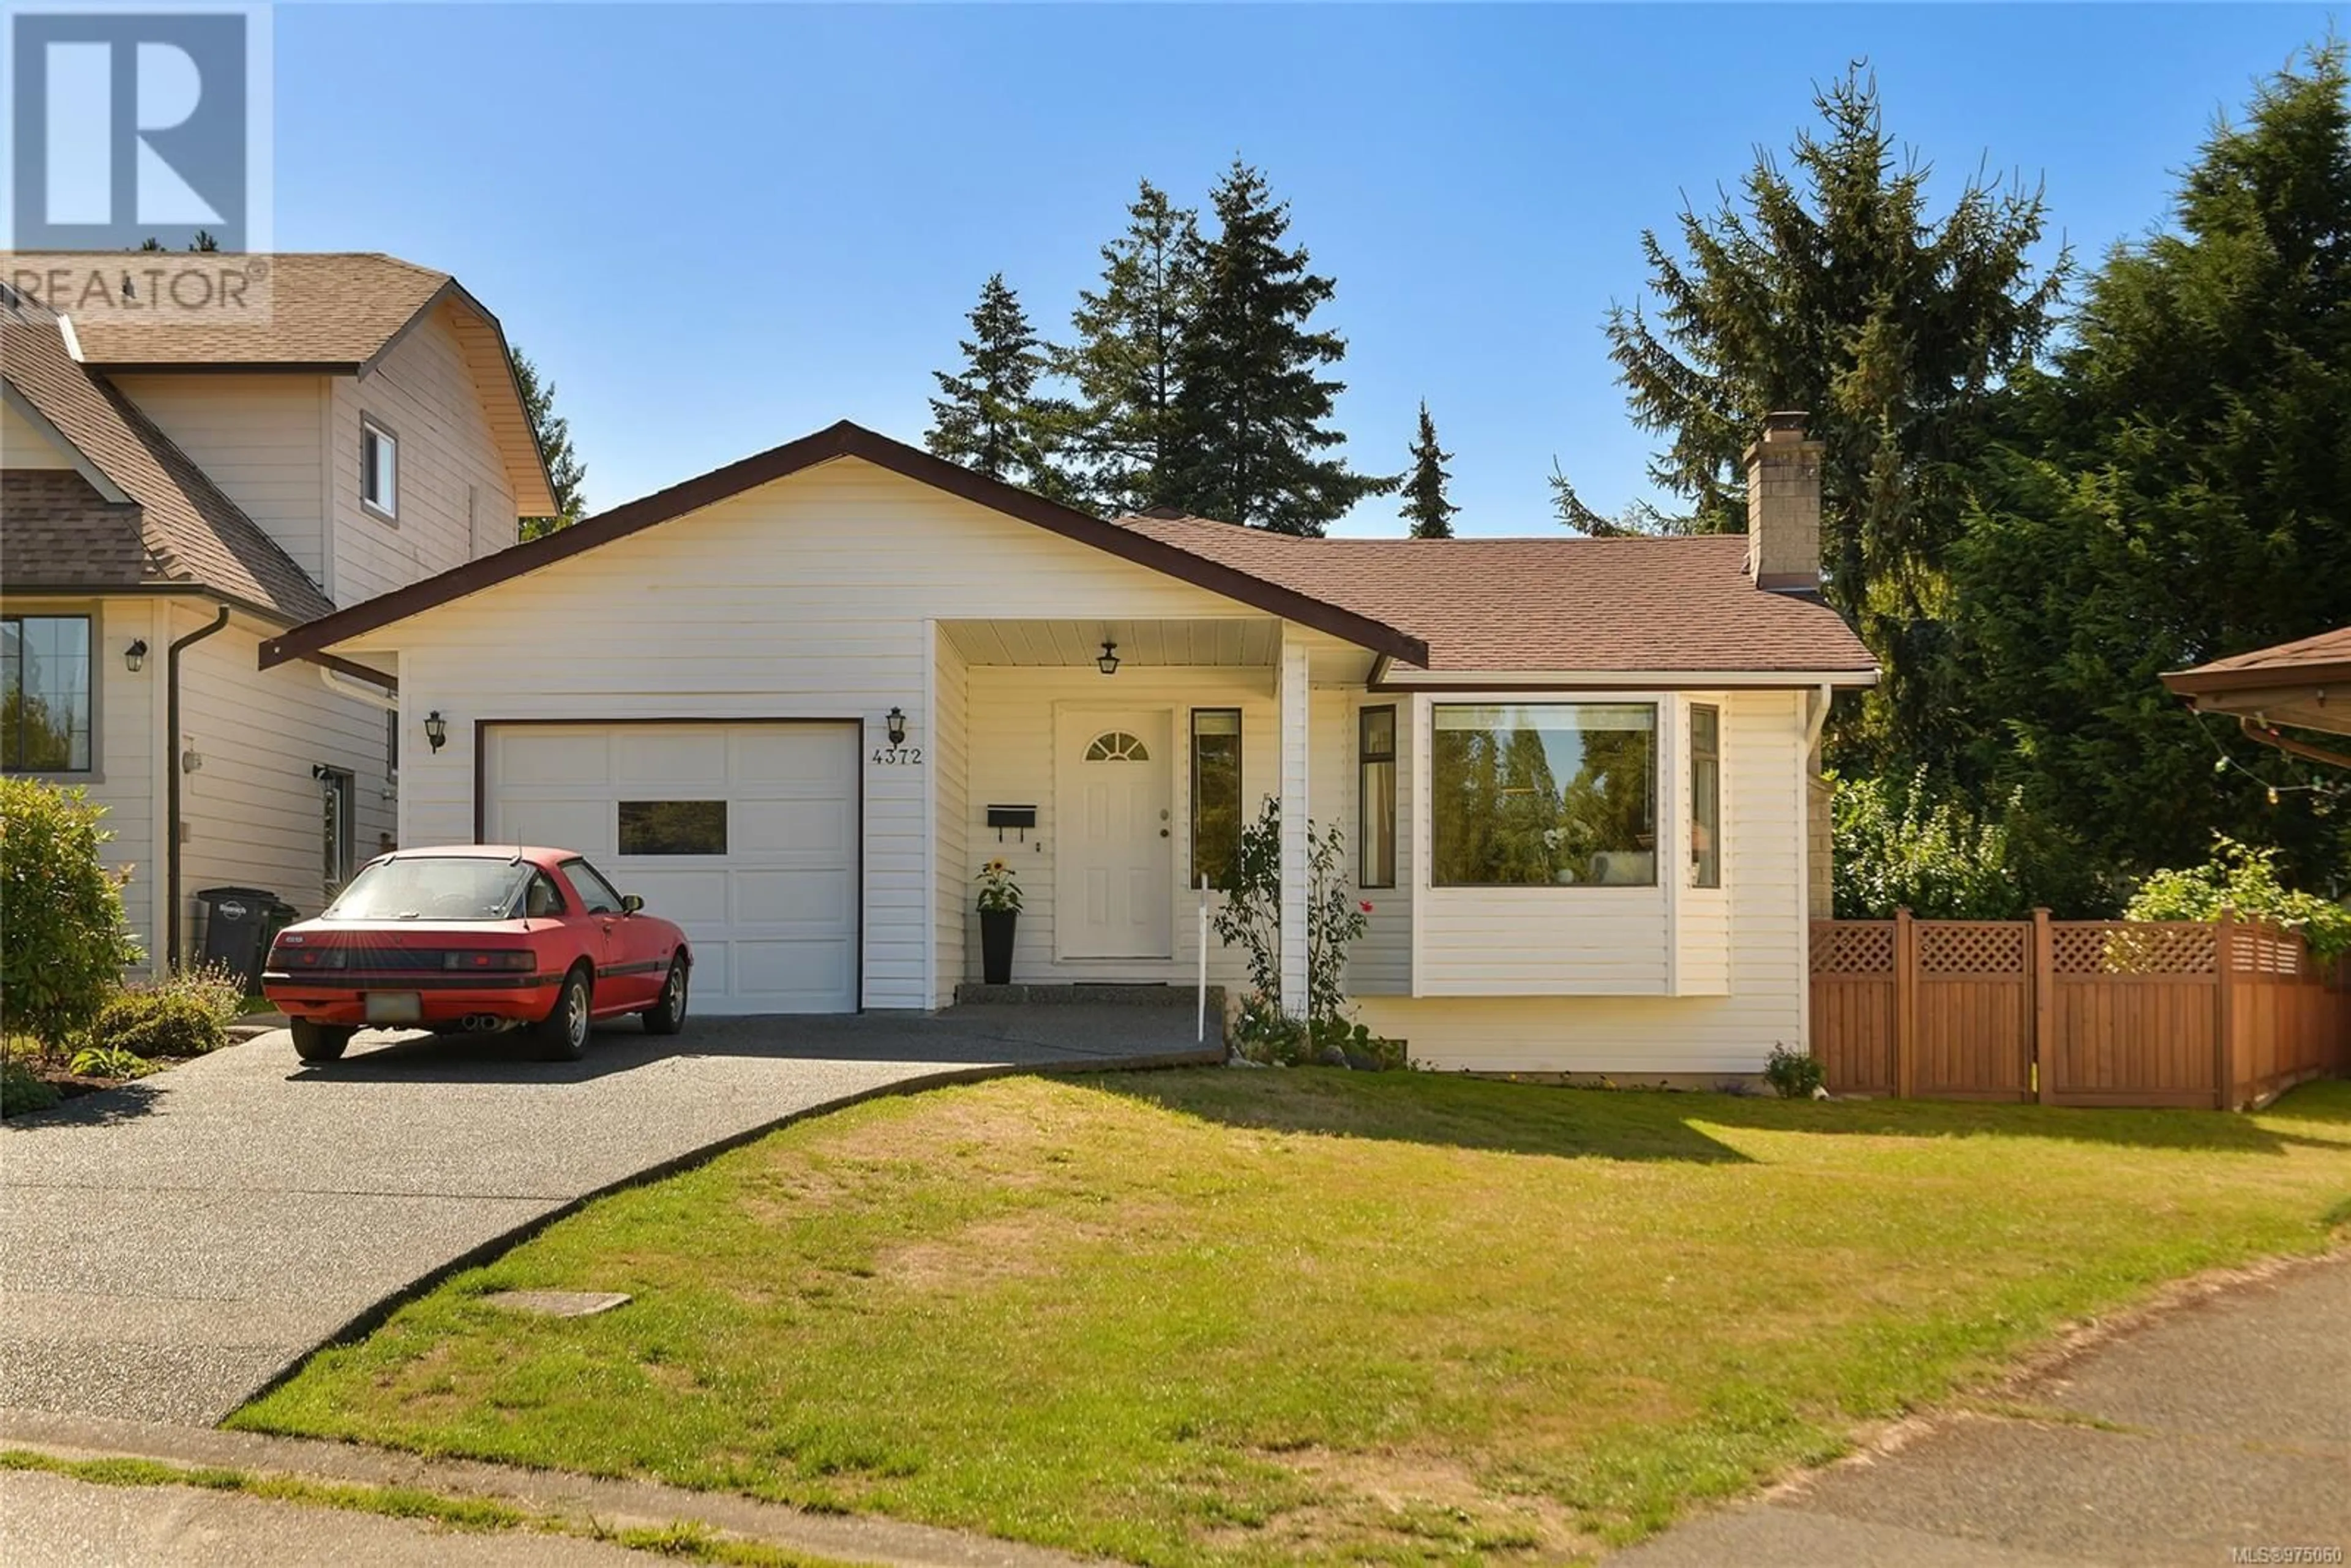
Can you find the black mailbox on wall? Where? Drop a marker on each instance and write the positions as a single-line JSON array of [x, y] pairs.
[[1002, 817]]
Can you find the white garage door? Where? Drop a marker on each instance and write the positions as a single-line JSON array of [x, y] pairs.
[[745, 834]]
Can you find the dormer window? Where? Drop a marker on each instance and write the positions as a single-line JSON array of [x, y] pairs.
[[378, 469]]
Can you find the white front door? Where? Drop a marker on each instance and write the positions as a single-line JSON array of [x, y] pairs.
[[1116, 860]]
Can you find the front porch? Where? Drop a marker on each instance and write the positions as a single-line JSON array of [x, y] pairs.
[[1111, 764]]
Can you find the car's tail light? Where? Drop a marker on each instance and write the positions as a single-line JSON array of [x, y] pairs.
[[288, 959], [490, 958]]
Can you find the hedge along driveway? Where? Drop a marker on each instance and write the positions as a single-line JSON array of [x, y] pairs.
[[179, 1241], [1310, 1316]]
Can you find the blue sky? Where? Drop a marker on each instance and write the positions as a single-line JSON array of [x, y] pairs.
[[721, 227]]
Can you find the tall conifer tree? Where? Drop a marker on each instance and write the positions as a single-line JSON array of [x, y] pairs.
[[1426, 506], [1255, 447], [1832, 289], [1125, 365], [2179, 490], [565, 472], [989, 416]]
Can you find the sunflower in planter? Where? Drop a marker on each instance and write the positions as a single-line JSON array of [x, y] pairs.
[[999, 913]]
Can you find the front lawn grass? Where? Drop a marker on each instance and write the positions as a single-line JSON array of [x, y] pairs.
[[1224, 1316]]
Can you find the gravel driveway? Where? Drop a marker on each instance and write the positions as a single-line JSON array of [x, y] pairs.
[[176, 1244]]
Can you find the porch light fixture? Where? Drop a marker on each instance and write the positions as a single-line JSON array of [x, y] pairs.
[[436, 730], [897, 722], [1108, 663], [135, 655]]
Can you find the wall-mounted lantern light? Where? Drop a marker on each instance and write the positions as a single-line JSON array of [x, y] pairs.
[[135, 655], [897, 722], [1108, 663], [436, 730]]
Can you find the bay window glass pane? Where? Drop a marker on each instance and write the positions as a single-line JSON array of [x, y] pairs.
[[1216, 795], [44, 694], [1377, 796], [1706, 797], [1530, 794]]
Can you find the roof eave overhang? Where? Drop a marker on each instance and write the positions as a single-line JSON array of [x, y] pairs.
[[1393, 679], [2192, 684], [838, 441]]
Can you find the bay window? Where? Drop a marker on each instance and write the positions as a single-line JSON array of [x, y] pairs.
[[1533, 794]]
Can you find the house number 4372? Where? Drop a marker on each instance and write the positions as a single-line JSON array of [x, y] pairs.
[[898, 756]]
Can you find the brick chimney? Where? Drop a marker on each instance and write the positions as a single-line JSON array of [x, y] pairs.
[[1783, 506]]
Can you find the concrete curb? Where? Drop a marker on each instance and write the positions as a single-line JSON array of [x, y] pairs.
[[582, 1498]]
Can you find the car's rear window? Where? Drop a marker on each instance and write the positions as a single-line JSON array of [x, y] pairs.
[[433, 887]]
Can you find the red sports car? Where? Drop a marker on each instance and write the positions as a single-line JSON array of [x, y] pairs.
[[477, 938]]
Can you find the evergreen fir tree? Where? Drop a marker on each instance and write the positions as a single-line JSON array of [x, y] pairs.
[[1125, 365], [1834, 290], [2179, 490], [567, 475], [1253, 443], [990, 417], [1425, 504]]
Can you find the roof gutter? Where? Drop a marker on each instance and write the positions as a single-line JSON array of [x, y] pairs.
[[172, 773]]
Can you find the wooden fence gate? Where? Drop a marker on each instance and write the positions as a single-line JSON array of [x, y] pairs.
[[2072, 1012]]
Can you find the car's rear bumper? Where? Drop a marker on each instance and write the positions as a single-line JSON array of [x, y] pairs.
[[441, 999]]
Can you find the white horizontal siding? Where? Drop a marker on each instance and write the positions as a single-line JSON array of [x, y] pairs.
[[254, 812], [811, 597], [950, 769], [424, 392], [261, 439]]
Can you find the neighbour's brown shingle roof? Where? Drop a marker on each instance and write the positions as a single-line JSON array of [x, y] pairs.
[[189, 532], [1545, 604], [325, 310], [60, 530], [2286, 660]]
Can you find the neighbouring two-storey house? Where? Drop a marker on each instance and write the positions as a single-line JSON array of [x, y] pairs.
[[173, 496]]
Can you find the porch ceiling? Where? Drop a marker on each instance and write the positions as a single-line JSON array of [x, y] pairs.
[[1238, 642]]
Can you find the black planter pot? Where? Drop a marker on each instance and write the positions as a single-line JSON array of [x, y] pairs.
[[996, 945]]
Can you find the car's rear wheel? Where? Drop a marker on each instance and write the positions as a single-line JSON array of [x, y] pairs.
[[667, 1015], [320, 1041], [562, 1035]]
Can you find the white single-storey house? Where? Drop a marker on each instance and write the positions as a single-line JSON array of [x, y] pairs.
[[796, 703]]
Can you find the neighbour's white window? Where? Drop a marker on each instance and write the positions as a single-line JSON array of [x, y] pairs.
[[45, 703], [379, 468], [1706, 796], [338, 836]]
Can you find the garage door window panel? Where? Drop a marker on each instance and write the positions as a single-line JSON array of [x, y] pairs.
[[673, 827]]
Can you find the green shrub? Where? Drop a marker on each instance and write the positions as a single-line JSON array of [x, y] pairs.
[[1792, 1073], [66, 944], [22, 1089], [1897, 848], [107, 1061], [155, 1023], [2244, 879]]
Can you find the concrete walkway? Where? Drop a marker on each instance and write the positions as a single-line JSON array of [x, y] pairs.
[[178, 1243], [2222, 1425]]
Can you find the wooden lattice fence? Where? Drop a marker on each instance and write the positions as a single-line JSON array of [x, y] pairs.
[[2090, 1012]]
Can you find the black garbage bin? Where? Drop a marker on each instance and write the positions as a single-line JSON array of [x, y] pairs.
[[237, 929]]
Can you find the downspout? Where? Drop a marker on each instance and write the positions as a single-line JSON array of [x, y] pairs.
[[172, 771], [333, 680], [1819, 719]]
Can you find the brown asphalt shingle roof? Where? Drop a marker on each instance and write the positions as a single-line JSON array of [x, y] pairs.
[[336, 307], [189, 532], [2287, 658], [1545, 604], [59, 530]]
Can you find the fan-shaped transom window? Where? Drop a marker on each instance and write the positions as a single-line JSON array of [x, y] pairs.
[[1116, 746]]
